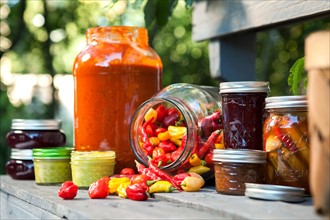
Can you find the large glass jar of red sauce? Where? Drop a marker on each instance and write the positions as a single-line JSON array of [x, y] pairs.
[[113, 75], [33, 133], [178, 129], [243, 106], [286, 141]]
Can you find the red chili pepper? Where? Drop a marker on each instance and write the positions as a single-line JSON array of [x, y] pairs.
[[211, 123], [127, 171], [146, 171], [68, 190], [106, 179], [178, 178], [137, 192], [98, 190], [288, 142], [147, 146], [161, 112], [209, 159], [171, 119], [176, 154], [141, 179], [160, 130], [167, 146], [207, 145], [129, 176], [164, 176]]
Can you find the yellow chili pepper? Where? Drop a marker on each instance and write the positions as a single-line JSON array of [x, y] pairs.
[[115, 182], [161, 186], [219, 146], [192, 183], [164, 136], [121, 190], [177, 132], [154, 141], [151, 113], [177, 142], [200, 169], [194, 160]]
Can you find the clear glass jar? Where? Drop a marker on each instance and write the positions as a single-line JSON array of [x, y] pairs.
[[113, 75], [184, 117], [243, 106], [29, 133], [88, 167], [52, 165], [20, 166], [286, 141], [235, 167]]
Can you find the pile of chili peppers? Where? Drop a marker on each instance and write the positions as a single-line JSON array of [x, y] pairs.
[[163, 137]]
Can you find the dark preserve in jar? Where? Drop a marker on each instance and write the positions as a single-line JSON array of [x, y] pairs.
[[243, 113], [28, 134], [20, 166]]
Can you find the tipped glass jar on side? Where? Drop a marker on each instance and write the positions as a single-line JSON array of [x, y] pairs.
[[286, 141], [178, 129]]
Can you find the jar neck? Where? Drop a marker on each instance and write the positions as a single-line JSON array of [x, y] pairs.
[[117, 34], [191, 124]]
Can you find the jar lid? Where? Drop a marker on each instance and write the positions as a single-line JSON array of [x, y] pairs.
[[93, 156], [286, 102], [239, 156], [275, 192], [17, 154], [52, 153], [30, 124], [244, 86]]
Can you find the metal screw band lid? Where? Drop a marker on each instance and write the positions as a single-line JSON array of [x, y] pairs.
[[286, 102], [30, 124], [17, 154], [239, 156], [244, 86]]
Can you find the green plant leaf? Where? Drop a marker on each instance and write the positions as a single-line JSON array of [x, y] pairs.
[[297, 72]]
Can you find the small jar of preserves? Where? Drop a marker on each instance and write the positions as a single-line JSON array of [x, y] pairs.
[[20, 166], [286, 141], [90, 166], [179, 128], [243, 106], [52, 165], [29, 134], [235, 167], [113, 75]]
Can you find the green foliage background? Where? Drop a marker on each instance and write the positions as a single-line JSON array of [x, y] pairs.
[[31, 48]]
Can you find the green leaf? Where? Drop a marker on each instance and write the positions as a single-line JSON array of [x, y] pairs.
[[296, 75]]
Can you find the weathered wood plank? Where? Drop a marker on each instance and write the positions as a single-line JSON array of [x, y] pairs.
[[222, 17]]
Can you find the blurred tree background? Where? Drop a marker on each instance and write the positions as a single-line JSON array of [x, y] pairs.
[[40, 39]]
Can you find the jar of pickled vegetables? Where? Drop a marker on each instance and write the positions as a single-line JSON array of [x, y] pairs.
[[286, 141], [88, 167], [243, 106], [52, 165], [178, 129], [29, 133], [113, 75], [20, 166]]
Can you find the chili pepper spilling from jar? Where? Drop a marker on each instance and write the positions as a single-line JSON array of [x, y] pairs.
[[68, 190], [98, 190], [137, 192]]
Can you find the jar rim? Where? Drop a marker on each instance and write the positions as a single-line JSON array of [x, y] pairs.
[[245, 86], [239, 155], [286, 102], [36, 124], [93, 156], [52, 153]]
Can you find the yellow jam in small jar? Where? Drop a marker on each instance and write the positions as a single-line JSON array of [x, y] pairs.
[[90, 166], [235, 167], [52, 165]]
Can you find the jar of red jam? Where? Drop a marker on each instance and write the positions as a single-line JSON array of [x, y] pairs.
[[243, 106], [286, 141], [178, 129], [20, 166], [28, 134], [113, 75], [235, 167]]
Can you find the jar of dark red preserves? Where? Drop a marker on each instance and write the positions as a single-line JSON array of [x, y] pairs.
[[286, 141], [20, 166], [178, 129], [113, 75], [243, 106], [29, 134]]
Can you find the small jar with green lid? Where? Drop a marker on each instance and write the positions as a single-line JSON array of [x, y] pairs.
[[52, 165], [90, 166]]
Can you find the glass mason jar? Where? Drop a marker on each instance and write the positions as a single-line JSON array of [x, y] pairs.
[[286, 141], [52, 165], [28, 134], [235, 167], [174, 125], [20, 166], [88, 167], [243, 106], [113, 75]]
